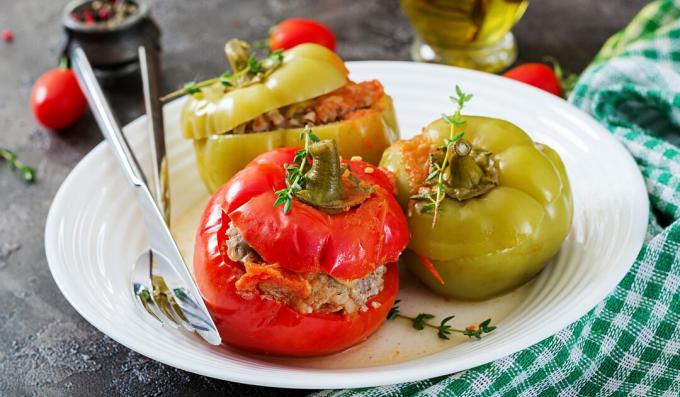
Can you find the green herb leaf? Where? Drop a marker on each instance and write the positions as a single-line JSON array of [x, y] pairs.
[[254, 66], [444, 330], [276, 56], [427, 208], [225, 79], [459, 91], [27, 173], [462, 97], [313, 137], [457, 137], [281, 196], [485, 327], [300, 155], [394, 311], [421, 319], [446, 320], [190, 88], [441, 189]]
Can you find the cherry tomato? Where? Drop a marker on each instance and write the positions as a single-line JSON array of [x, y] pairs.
[[56, 99], [294, 31], [7, 36], [345, 245], [538, 75]]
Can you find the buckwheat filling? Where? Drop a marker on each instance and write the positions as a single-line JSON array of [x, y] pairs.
[[304, 292]]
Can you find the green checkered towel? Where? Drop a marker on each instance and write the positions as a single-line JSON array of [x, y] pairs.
[[630, 343]]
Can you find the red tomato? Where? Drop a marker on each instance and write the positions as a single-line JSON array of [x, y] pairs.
[[539, 75], [56, 99], [294, 31], [7, 36], [347, 245]]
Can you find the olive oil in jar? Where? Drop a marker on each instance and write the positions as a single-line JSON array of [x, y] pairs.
[[468, 33]]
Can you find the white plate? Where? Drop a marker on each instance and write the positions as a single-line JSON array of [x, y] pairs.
[[94, 233]]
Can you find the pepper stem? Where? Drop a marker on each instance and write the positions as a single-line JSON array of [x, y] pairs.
[[323, 179], [470, 171], [237, 52], [325, 186]]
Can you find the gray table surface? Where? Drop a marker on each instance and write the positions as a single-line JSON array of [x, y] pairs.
[[46, 348]]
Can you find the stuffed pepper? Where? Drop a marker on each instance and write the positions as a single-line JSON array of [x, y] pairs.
[[296, 254], [262, 105], [487, 206]]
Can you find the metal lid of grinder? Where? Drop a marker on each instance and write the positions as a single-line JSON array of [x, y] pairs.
[[110, 32]]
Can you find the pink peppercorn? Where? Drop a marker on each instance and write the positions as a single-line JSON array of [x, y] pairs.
[[88, 17]]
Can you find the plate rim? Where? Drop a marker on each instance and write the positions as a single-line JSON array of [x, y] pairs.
[[389, 375]]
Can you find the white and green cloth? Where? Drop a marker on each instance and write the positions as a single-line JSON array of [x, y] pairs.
[[630, 343]]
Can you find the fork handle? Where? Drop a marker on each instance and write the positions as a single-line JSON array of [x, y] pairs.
[[149, 63]]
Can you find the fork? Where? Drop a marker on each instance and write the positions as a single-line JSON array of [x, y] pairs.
[[173, 294], [148, 286]]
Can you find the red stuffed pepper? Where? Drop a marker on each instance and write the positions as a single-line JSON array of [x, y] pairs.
[[296, 254]]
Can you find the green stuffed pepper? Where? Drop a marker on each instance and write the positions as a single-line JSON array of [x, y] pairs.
[[506, 205], [266, 104]]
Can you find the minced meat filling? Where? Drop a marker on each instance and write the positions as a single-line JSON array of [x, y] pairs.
[[328, 108], [304, 292], [237, 248]]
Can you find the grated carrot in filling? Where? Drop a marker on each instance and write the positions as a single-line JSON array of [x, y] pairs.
[[349, 98], [303, 292], [415, 154], [273, 278]]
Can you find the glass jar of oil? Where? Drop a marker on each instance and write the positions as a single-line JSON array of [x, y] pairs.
[[473, 34]]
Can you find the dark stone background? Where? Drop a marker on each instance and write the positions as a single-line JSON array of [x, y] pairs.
[[46, 348]]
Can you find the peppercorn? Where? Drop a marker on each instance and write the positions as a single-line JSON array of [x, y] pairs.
[[111, 12]]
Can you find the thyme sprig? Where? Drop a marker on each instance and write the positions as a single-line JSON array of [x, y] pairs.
[[229, 79], [11, 158], [295, 173], [453, 120], [444, 330]]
